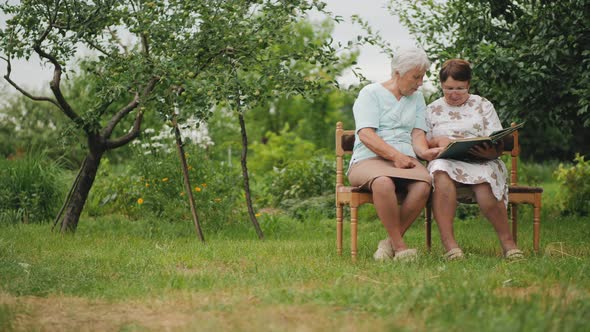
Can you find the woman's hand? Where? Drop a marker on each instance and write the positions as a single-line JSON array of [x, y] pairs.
[[485, 151], [424, 149], [431, 154], [403, 161]]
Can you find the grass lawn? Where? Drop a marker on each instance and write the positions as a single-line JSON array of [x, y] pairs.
[[120, 275]]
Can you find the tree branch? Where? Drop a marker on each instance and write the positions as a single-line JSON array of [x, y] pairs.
[[115, 37], [55, 86], [21, 90], [131, 135], [108, 130], [103, 107], [96, 47], [146, 45]]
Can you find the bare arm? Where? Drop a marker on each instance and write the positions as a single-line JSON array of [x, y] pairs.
[[422, 147], [376, 144], [439, 141]]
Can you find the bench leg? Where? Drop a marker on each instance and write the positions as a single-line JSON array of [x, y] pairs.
[[428, 225], [339, 209], [514, 217], [536, 222], [353, 230]]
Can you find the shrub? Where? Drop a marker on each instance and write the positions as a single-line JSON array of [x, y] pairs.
[[534, 173], [30, 189], [574, 194], [153, 185], [279, 151], [313, 208], [301, 179]]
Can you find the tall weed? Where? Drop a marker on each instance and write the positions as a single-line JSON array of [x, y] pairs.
[[30, 189]]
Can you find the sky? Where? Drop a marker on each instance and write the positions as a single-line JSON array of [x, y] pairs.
[[374, 65]]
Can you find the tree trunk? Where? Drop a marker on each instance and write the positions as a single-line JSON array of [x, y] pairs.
[[245, 176], [81, 189]]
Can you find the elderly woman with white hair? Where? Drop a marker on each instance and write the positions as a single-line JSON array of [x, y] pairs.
[[390, 133]]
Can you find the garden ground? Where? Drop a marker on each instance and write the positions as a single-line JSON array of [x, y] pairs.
[[114, 275]]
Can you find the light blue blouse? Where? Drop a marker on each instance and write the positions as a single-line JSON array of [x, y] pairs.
[[393, 120]]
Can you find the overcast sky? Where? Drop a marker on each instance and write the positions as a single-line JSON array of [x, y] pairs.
[[374, 65]]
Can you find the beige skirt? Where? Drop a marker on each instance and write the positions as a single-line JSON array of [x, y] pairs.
[[361, 174]]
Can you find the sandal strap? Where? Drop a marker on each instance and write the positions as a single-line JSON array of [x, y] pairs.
[[514, 254], [455, 253]]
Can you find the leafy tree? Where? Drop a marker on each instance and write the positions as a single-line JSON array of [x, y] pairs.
[[26, 125], [194, 53], [530, 57], [312, 117]]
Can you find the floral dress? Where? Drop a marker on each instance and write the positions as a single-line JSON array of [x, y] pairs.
[[476, 117]]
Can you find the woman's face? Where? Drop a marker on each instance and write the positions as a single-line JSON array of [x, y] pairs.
[[411, 81], [455, 92]]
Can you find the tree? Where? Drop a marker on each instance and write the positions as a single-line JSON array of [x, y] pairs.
[[196, 47], [531, 58]]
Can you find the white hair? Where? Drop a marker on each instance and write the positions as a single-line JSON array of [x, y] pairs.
[[406, 59]]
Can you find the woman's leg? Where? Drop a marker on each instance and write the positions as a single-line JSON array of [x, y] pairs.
[[444, 205], [386, 204], [495, 211], [415, 201]]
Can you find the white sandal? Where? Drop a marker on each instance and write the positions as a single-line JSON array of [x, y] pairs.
[[514, 254], [384, 251], [407, 255], [454, 254]]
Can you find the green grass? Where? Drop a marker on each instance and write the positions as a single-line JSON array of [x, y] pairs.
[[120, 273]]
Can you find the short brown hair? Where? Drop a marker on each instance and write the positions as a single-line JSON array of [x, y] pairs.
[[458, 69]]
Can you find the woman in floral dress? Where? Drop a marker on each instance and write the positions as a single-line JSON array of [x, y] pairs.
[[459, 114]]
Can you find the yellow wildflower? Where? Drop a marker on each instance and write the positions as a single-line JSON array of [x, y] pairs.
[[258, 214], [140, 201], [204, 185], [164, 179], [197, 189], [147, 185]]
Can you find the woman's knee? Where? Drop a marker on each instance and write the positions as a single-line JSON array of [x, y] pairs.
[[422, 188], [443, 183], [442, 178], [382, 183]]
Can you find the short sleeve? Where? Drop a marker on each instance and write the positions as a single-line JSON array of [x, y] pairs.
[[421, 113], [490, 116], [366, 110]]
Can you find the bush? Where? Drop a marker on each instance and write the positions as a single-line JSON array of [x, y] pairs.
[[534, 173], [153, 185], [279, 151], [313, 208], [25, 123], [574, 194], [30, 189], [301, 179]]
